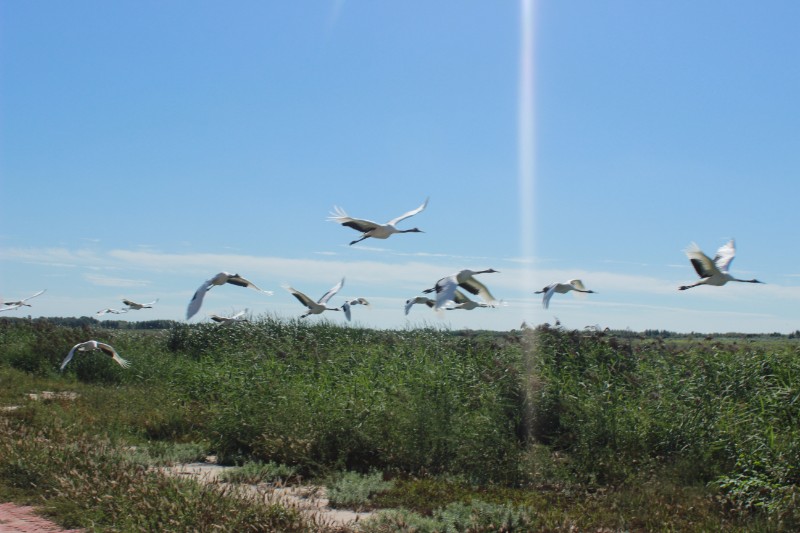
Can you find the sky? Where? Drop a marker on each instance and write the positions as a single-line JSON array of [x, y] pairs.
[[146, 146]]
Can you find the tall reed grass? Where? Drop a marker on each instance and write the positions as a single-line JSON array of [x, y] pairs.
[[544, 407]]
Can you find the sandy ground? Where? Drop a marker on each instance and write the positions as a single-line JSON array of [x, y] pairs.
[[22, 519], [309, 500]]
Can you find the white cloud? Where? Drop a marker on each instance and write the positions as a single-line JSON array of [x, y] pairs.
[[409, 275], [622, 300], [107, 281]]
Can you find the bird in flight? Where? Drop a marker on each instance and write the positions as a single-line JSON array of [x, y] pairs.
[[136, 306], [561, 288], [92, 345], [220, 279], [419, 300], [463, 302], [446, 287], [713, 271], [349, 303], [16, 304], [315, 308], [372, 229], [113, 311], [460, 301], [229, 320]]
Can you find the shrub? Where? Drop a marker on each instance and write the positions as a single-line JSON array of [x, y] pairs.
[[256, 472], [354, 490], [84, 482], [475, 517]]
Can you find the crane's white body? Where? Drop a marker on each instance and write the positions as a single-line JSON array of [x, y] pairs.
[[315, 308], [715, 271], [561, 288], [372, 229], [92, 345], [446, 287], [220, 279]]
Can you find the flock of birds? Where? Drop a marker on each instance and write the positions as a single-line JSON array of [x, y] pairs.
[[448, 291]]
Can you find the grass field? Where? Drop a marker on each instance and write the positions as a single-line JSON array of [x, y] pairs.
[[532, 430]]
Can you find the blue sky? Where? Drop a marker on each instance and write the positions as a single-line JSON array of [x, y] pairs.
[[146, 146]]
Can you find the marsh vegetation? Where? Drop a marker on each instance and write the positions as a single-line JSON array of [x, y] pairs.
[[532, 430]]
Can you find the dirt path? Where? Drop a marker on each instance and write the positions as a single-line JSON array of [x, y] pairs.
[[21, 519], [309, 500]]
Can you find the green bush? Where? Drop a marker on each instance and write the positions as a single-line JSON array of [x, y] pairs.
[[475, 517], [87, 484], [354, 490], [257, 472]]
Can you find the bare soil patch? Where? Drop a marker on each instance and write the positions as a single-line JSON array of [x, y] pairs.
[[308, 499], [23, 519]]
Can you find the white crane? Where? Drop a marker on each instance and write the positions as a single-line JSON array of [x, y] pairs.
[[419, 300], [220, 279], [92, 345], [372, 229], [229, 320], [315, 308], [463, 302], [460, 301], [713, 272], [446, 287], [561, 288], [113, 311], [16, 304], [349, 303], [136, 306]]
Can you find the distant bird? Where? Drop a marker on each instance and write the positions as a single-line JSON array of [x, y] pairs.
[[89, 346], [229, 320], [713, 272], [373, 229], [419, 300], [561, 288], [315, 308], [355, 301], [113, 311], [446, 287], [136, 306], [16, 304], [220, 279]]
